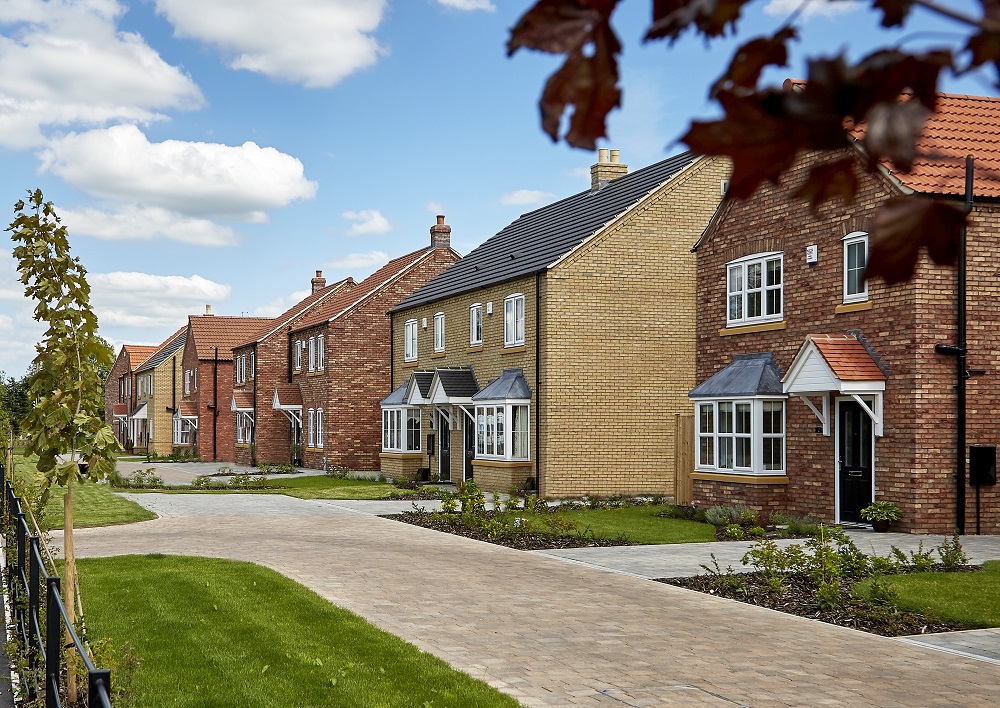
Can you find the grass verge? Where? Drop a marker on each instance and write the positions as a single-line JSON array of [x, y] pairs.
[[637, 524], [969, 598], [228, 633], [309, 487]]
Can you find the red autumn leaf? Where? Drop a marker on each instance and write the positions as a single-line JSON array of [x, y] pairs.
[[894, 12], [760, 145], [590, 84], [558, 26], [903, 226], [710, 17], [829, 180], [892, 130], [751, 59]]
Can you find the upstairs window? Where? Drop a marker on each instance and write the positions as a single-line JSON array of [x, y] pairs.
[[476, 324], [754, 289], [251, 365], [513, 320], [311, 440], [855, 262], [320, 353], [439, 332], [312, 353], [298, 355], [410, 340], [187, 381]]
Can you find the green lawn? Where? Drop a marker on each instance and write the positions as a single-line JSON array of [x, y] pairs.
[[638, 523], [310, 487], [226, 633], [970, 598]]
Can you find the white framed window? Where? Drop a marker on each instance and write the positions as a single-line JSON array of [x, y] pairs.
[[855, 262], [320, 353], [187, 381], [311, 440], [182, 432], [754, 289], [312, 353], [502, 431], [319, 427], [513, 320], [742, 436], [195, 376], [439, 332], [401, 429], [298, 355], [252, 365], [475, 324], [244, 427], [410, 340]]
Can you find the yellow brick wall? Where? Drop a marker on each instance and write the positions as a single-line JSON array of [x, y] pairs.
[[487, 361], [618, 344], [163, 396]]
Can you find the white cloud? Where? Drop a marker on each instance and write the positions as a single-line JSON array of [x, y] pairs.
[[353, 261], [312, 42], [142, 300], [137, 223], [18, 329], [469, 5], [366, 221], [197, 179], [435, 208], [813, 8], [64, 63], [527, 196], [279, 304]]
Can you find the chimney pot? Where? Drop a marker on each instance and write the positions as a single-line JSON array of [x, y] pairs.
[[440, 233], [208, 310], [606, 170], [319, 282]]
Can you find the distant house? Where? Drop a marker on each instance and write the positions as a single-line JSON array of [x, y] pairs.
[[204, 416], [559, 353], [819, 390], [159, 388], [120, 396], [314, 376]]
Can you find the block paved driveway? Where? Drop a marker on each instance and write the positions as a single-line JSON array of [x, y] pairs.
[[549, 632]]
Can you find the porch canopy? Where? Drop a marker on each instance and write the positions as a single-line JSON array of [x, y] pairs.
[[840, 363], [140, 412], [453, 388], [119, 411], [748, 375], [288, 400], [417, 388], [511, 386], [242, 402], [188, 412]]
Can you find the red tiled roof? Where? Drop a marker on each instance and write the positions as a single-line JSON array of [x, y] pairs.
[[211, 331], [341, 303], [847, 357], [298, 309], [288, 395], [242, 400], [188, 409], [138, 353], [960, 125]]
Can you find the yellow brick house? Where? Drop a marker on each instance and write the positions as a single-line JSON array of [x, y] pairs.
[[159, 388], [559, 353]]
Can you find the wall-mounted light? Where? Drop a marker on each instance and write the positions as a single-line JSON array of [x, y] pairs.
[[423, 323], [489, 308]]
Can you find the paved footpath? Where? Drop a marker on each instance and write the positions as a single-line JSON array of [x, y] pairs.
[[548, 632]]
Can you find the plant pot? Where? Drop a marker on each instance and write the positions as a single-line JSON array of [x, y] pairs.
[[881, 526]]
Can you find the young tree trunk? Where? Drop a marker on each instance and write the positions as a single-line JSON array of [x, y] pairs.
[[69, 590]]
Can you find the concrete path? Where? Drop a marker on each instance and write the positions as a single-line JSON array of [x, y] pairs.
[[547, 631]]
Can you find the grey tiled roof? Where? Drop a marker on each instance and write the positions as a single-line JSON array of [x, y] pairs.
[[423, 380], [535, 240], [748, 375], [161, 356], [397, 397], [510, 386], [457, 383]]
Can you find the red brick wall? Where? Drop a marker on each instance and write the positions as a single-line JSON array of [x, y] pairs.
[[215, 428], [915, 459], [111, 391]]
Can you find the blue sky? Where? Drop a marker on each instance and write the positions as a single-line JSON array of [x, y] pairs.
[[221, 151]]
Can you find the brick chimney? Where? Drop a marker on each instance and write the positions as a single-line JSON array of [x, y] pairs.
[[606, 169], [319, 282], [440, 233], [208, 311]]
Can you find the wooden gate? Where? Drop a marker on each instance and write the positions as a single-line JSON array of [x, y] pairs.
[[683, 458]]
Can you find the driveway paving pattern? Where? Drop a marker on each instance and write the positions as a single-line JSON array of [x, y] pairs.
[[548, 632]]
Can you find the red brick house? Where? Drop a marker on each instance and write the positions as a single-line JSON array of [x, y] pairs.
[[120, 392], [204, 420], [307, 386], [261, 432], [820, 391]]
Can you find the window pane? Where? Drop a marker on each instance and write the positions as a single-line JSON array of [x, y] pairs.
[[520, 319], [725, 417], [742, 418], [491, 423], [412, 429], [773, 417], [736, 279], [773, 454], [753, 304], [774, 301], [501, 439], [706, 418], [725, 453], [520, 423], [706, 451], [753, 276], [742, 452], [774, 271], [480, 431], [735, 307]]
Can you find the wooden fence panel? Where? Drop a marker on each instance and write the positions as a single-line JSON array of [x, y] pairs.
[[684, 458]]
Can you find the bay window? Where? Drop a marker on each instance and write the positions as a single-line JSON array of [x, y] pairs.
[[741, 436], [502, 431], [401, 429]]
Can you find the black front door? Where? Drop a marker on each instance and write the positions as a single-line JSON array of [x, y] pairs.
[[470, 446], [856, 445], [444, 449]]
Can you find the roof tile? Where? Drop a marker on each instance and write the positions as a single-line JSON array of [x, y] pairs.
[[847, 357], [211, 331]]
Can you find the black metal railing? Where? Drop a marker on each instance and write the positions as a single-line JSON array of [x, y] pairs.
[[25, 575]]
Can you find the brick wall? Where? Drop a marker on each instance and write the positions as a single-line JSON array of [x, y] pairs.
[[168, 387], [113, 394], [915, 459]]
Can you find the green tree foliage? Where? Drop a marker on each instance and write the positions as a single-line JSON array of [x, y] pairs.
[[68, 415], [14, 400]]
